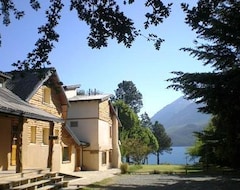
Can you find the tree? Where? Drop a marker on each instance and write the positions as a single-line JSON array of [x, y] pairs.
[[129, 120], [211, 145], [127, 91], [126, 115], [218, 28], [138, 142], [145, 120], [104, 17], [164, 141]]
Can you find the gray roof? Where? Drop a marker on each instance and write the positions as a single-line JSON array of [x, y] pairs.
[[75, 138], [100, 97], [25, 83], [13, 105]]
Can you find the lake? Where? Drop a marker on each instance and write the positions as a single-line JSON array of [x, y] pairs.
[[178, 156]]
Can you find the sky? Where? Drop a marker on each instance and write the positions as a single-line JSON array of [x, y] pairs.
[[104, 69]]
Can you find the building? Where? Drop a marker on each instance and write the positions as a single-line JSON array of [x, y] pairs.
[[33, 111], [94, 120]]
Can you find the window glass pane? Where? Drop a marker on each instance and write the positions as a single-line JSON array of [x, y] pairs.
[[66, 154]]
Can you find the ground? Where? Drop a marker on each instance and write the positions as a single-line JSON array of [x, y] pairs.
[[170, 182]]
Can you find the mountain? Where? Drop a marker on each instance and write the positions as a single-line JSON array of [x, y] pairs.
[[180, 119]]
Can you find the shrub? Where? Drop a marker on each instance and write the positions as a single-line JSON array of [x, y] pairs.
[[124, 168], [155, 172]]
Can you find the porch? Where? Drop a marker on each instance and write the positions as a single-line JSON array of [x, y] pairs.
[[33, 179]]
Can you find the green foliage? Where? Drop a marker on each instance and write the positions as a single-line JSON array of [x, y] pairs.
[[212, 146], [105, 19], [126, 115], [124, 168], [218, 28], [128, 93], [145, 120], [137, 143], [163, 139]]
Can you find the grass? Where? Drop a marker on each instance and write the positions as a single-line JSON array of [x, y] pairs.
[[163, 169]]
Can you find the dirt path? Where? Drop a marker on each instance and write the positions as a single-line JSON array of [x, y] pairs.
[[171, 182]]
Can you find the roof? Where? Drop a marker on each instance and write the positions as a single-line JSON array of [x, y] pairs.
[[26, 83], [71, 87], [13, 105], [7, 76], [80, 143], [100, 97]]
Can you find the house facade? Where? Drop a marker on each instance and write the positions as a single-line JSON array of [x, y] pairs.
[[94, 120], [40, 141]]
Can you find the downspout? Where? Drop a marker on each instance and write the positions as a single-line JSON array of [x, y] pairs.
[[82, 166]]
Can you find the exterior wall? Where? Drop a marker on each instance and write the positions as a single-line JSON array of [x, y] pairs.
[[116, 153], [5, 143], [35, 155], [90, 160], [104, 112], [54, 107], [69, 166], [71, 93], [95, 126], [105, 140], [87, 131], [83, 110]]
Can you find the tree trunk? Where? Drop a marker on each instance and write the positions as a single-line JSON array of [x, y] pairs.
[[158, 158], [19, 146], [127, 158], [50, 148]]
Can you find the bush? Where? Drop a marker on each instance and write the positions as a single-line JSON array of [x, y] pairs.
[[124, 168], [155, 172]]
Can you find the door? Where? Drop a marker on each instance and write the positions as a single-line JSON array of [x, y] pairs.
[[14, 146]]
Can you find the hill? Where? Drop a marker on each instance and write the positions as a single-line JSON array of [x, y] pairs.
[[180, 119]]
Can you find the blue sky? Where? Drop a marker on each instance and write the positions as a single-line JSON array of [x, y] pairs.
[[104, 69]]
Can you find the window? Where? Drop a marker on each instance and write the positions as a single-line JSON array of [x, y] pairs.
[[74, 123], [104, 157], [66, 154], [33, 134], [45, 136], [46, 95]]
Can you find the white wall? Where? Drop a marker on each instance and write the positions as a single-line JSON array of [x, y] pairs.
[[105, 142], [83, 109]]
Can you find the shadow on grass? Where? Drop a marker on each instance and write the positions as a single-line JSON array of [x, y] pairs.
[[170, 182]]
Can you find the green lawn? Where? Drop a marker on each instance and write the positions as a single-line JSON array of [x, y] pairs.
[[163, 169]]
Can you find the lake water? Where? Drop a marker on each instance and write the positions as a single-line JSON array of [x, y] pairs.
[[178, 156]]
